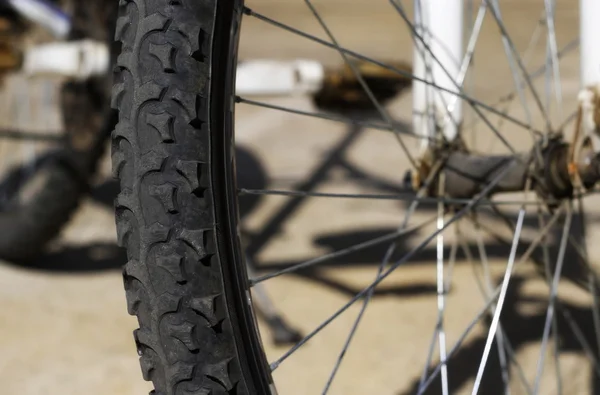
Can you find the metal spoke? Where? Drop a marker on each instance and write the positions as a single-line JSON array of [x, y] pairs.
[[482, 312], [521, 85], [576, 329], [534, 244], [470, 100], [390, 250], [555, 333], [359, 317], [570, 240], [345, 251], [553, 293], [496, 318], [478, 111], [495, 11], [397, 264], [568, 48], [509, 97], [567, 121], [402, 197], [382, 111], [508, 50], [550, 6], [468, 58], [500, 338], [452, 259], [430, 351], [431, 348], [469, 83], [441, 291], [329, 117]]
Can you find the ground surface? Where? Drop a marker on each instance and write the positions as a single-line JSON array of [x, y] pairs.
[[63, 324]]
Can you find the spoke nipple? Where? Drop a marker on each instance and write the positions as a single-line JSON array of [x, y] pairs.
[[238, 99], [247, 11]]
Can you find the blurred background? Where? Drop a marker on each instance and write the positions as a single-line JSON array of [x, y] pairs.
[[64, 327]]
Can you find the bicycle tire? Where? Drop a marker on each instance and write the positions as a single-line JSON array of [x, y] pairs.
[[27, 228], [172, 153]]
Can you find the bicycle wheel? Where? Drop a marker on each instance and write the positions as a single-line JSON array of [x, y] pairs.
[[47, 162], [177, 214]]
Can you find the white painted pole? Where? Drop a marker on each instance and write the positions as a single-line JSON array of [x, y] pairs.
[[589, 35], [440, 23]]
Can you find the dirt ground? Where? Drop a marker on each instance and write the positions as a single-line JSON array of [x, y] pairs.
[[63, 323]]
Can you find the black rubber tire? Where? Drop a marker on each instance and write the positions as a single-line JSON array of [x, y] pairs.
[[173, 157], [26, 228]]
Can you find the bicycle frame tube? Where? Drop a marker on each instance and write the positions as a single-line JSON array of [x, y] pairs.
[[43, 13], [589, 34], [438, 59]]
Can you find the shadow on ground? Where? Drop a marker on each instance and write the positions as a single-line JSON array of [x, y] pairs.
[[89, 258]]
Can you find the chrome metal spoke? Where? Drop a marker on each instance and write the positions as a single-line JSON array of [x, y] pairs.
[[520, 85], [496, 317], [566, 314], [513, 358], [567, 121], [382, 111], [435, 335], [540, 71], [478, 111], [441, 289], [397, 264], [470, 82], [384, 263], [553, 295], [508, 50], [452, 260], [555, 333], [568, 48], [502, 341], [345, 251], [329, 117], [550, 7], [470, 100], [580, 336], [532, 247], [509, 100], [468, 58], [486, 290], [400, 197], [495, 11], [430, 351], [357, 321], [480, 314]]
